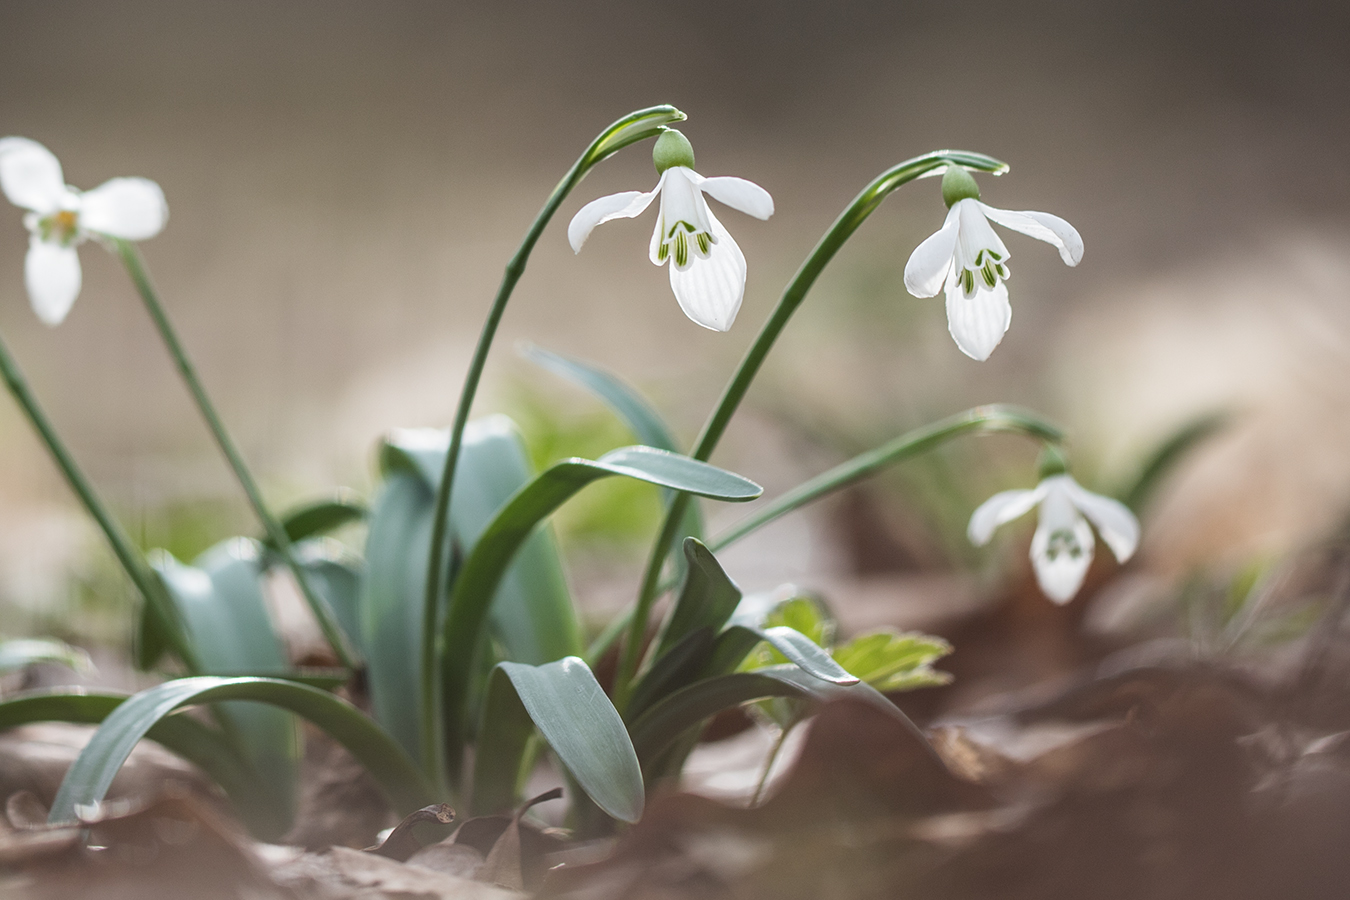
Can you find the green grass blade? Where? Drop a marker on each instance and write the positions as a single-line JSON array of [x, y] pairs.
[[576, 719], [980, 419], [689, 707], [17, 653], [483, 568], [89, 777]]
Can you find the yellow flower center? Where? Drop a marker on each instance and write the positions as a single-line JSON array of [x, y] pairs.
[[60, 227]]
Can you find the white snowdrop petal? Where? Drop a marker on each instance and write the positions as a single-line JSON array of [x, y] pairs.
[[1043, 227], [974, 235], [133, 209], [624, 205], [710, 290], [30, 175], [738, 193], [977, 323], [931, 261], [1062, 575], [998, 509], [1115, 523], [52, 275]]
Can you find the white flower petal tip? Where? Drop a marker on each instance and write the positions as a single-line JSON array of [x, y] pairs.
[[1062, 548], [30, 176], [707, 267], [967, 258], [52, 275], [133, 209], [60, 218]]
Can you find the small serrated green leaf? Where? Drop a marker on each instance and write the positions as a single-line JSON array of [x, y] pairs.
[[894, 661]]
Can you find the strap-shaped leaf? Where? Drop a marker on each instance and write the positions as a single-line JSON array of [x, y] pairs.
[[569, 708], [1167, 454], [20, 652], [482, 570], [689, 707], [335, 574], [638, 414], [531, 614], [707, 598], [198, 743], [320, 517], [804, 653], [88, 779], [682, 664], [220, 601], [390, 605]]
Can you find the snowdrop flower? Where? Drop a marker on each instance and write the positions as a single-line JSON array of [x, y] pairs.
[[969, 258], [707, 269], [60, 218], [1061, 549]]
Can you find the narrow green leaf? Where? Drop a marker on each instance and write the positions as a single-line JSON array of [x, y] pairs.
[[17, 653], [88, 779], [980, 419], [321, 517], [483, 568], [576, 719], [708, 597], [335, 573], [220, 601], [804, 653], [1168, 454], [689, 707], [531, 614], [638, 414], [198, 743], [682, 664], [391, 598]]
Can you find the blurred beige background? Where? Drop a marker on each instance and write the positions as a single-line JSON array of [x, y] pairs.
[[347, 180]]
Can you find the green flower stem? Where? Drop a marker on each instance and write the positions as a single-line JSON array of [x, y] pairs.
[[135, 266], [842, 229], [635, 126], [130, 558]]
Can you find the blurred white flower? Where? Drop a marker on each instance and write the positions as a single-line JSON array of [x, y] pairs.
[[707, 269], [60, 218], [969, 258], [1062, 547]]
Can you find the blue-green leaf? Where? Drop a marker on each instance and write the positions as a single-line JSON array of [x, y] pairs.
[[483, 568], [220, 602], [575, 718], [708, 597], [88, 779], [336, 574], [17, 653], [689, 707]]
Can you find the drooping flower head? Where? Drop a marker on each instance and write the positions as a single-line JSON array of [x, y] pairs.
[[1062, 547], [60, 218], [707, 269], [968, 257]]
